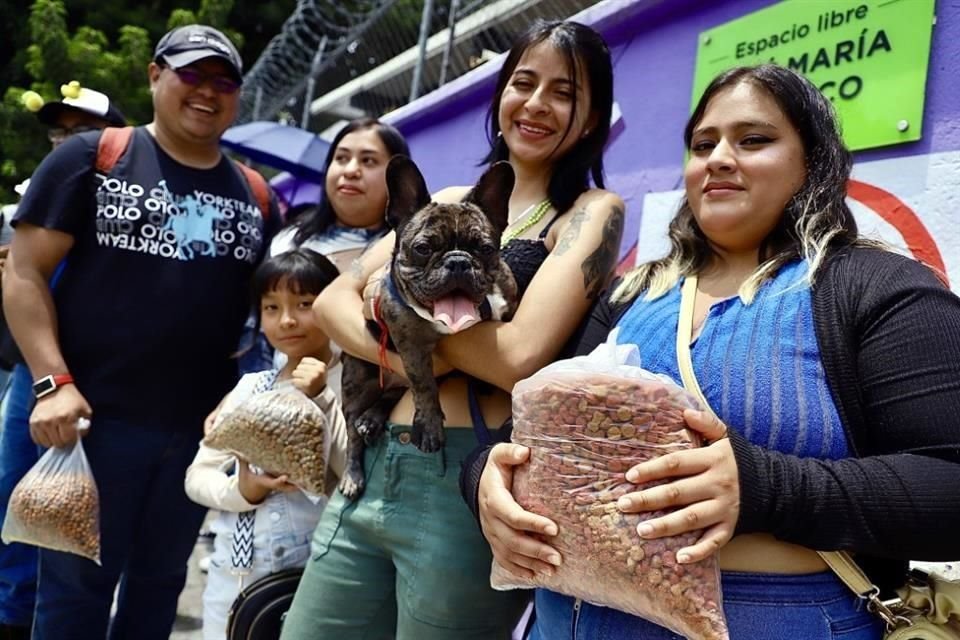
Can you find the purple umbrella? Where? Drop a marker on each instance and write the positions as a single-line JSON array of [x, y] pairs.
[[281, 146], [296, 191]]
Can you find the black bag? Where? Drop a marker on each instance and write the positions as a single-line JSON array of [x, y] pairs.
[[257, 613]]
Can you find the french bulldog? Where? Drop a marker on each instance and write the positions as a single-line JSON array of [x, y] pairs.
[[445, 275]]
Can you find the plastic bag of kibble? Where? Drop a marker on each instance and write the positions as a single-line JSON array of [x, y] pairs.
[[281, 431], [56, 505], [587, 420]]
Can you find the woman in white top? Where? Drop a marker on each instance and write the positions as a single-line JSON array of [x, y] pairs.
[[350, 214]]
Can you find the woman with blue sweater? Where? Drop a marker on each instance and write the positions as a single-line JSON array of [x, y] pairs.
[[832, 368]]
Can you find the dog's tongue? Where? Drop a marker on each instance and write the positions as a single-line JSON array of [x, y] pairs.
[[456, 311]]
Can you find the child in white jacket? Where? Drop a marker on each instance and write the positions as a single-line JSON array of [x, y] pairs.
[[267, 511]]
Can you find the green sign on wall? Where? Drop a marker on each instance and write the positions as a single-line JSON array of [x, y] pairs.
[[868, 56]]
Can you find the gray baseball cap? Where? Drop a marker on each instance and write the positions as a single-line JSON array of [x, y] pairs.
[[186, 45]]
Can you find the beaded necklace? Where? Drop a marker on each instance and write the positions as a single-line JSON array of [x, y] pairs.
[[535, 217]]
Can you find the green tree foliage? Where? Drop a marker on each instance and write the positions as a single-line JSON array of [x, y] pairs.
[[105, 46]]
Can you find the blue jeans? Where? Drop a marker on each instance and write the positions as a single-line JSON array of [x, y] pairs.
[[148, 528], [18, 562], [758, 607]]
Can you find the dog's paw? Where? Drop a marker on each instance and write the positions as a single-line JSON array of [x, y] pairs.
[[427, 440], [370, 426], [352, 484]]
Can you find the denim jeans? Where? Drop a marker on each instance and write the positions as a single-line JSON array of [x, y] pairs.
[[18, 562], [148, 528], [758, 607], [406, 561]]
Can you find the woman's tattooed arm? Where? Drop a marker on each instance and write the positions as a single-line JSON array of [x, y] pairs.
[[598, 266]]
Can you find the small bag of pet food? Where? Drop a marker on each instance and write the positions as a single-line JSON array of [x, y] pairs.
[[281, 431], [56, 505], [587, 420]]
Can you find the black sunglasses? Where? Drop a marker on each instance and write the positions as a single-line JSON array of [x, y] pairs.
[[194, 78]]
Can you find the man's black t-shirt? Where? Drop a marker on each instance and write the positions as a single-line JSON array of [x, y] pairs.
[[153, 297]]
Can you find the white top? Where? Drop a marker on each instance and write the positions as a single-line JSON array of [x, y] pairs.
[[332, 241]]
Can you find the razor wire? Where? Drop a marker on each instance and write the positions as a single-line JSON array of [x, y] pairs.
[[291, 57], [325, 44]]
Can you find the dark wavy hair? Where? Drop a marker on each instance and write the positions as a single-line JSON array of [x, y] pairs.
[[317, 220], [815, 220], [586, 53]]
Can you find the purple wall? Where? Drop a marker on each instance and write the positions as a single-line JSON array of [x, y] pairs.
[[654, 44]]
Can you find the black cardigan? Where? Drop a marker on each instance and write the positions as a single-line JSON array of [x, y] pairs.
[[889, 337]]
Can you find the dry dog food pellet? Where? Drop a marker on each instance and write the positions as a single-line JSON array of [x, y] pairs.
[[281, 432], [59, 512], [584, 434]]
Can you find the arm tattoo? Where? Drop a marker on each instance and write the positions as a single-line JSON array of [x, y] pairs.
[[599, 264], [571, 233], [356, 269]]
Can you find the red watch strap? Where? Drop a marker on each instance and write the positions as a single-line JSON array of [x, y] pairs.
[[61, 379]]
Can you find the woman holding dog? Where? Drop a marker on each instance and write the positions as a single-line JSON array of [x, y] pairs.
[[406, 560], [832, 366]]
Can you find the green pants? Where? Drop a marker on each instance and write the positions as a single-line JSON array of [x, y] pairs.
[[407, 560]]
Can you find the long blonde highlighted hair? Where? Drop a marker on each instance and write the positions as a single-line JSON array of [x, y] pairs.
[[814, 221]]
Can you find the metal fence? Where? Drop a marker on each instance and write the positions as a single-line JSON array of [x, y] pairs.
[[337, 60]]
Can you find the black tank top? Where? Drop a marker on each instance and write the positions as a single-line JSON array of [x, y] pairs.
[[524, 257]]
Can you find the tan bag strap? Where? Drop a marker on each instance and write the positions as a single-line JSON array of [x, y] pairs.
[[849, 572], [840, 561], [688, 294]]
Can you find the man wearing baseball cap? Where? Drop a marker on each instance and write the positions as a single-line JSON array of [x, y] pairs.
[[137, 335]]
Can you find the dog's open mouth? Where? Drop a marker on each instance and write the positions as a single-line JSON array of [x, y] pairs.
[[456, 310]]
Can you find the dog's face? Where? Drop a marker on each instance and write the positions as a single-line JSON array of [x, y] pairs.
[[447, 256]]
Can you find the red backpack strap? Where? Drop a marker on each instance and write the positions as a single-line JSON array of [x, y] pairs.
[[261, 192], [113, 143]]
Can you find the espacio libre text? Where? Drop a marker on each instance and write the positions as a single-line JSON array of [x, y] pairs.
[[866, 44]]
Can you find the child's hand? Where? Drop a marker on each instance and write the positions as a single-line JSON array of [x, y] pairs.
[[256, 487], [310, 376], [211, 418]]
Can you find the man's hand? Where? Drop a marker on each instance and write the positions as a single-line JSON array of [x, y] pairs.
[[256, 487], [53, 422], [310, 376]]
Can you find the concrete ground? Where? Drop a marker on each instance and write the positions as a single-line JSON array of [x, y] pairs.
[[190, 608]]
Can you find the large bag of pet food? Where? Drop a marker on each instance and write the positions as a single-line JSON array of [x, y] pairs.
[[587, 420], [281, 431], [56, 505]]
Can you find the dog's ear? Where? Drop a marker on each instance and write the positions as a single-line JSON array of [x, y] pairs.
[[492, 194], [406, 190]]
